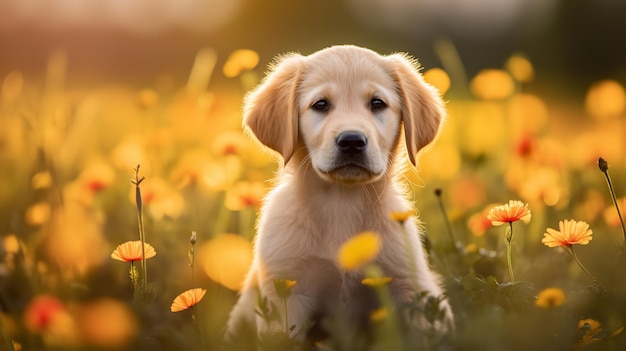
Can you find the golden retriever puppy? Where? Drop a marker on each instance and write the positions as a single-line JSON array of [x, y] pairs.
[[336, 117]]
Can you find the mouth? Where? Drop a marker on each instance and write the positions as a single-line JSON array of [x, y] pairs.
[[349, 173]]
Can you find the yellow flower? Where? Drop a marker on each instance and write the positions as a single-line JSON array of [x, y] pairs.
[[401, 217], [513, 211], [570, 232], [590, 330], [374, 282], [187, 299], [130, 251], [359, 250], [378, 314], [550, 297], [283, 287]]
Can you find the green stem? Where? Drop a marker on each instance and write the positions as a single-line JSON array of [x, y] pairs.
[[612, 191], [192, 264], [194, 308], [438, 193], [223, 217], [453, 64], [509, 239], [142, 236], [286, 316], [580, 264]]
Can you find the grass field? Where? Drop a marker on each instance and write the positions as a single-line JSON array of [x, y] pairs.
[[84, 171]]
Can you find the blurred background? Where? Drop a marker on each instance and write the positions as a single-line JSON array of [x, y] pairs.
[[572, 42], [91, 89]]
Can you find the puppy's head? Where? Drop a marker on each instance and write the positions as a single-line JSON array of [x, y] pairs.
[[346, 105]]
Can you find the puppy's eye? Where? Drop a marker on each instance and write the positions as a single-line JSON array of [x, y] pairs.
[[321, 105], [377, 104]]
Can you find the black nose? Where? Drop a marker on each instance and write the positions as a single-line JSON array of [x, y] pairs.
[[351, 142]]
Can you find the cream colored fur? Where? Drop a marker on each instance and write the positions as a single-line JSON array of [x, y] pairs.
[[319, 201]]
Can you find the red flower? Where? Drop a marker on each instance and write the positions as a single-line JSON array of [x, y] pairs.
[[41, 313]]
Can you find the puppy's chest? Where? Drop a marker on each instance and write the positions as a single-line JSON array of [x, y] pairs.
[[320, 225], [330, 228]]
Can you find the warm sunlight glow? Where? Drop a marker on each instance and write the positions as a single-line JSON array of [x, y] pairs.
[[226, 258]]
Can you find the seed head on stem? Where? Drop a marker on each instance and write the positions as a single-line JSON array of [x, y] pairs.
[[604, 168]]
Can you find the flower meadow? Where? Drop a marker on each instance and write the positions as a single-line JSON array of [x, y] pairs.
[[127, 216]]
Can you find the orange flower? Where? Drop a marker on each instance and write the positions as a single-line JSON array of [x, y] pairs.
[[245, 194], [187, 299], [513, 211], [97, 176], [130, 251], [570, 232], [550, 297], [478, 223]]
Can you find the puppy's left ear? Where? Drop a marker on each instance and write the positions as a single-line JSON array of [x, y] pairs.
[[422, 107], [271, 110]]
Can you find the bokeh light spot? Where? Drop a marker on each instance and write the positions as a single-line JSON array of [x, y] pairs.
[[438, 78], [240, 61], [492, 84], [226, 259], [605, 99], [107, 323], [38, 214], [520, 68]]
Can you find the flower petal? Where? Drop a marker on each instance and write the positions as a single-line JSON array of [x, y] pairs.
[[359, 250], [187, 299]]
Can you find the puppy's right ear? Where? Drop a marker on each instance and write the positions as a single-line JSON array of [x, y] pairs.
[[271, 110]]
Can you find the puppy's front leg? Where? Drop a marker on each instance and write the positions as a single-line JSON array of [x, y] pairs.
[[293, 312], [316, 292]]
